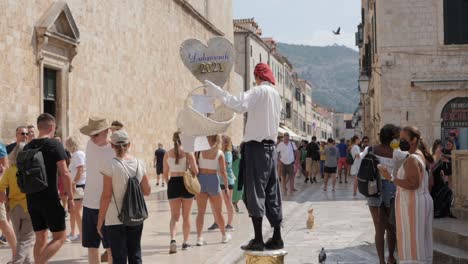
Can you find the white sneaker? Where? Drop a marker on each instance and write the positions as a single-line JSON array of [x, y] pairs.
[[226, 238], [201, 242], [75, 238]]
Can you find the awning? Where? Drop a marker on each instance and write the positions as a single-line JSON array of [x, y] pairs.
[[281, 130], [292, 135]]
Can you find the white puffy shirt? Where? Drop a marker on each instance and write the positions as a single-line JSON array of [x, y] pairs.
[[263, 107]]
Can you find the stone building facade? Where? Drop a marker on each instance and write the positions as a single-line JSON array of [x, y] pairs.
[[342, 125], [414, 71], [77, 59], [415, 56]]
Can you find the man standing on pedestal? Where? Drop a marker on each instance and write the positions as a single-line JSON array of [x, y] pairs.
[[262, 189]]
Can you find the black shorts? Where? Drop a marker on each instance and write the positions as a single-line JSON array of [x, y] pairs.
[[90, 237], [230, 186], [159, 170], [47, 214], [329, 169], [176, 189]]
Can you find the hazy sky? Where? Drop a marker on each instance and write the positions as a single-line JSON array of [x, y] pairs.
[[304, 21]]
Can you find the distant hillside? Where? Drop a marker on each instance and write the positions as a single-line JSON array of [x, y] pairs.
[[333, 70]]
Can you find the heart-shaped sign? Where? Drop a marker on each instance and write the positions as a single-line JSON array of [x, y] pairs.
[[213, 62]]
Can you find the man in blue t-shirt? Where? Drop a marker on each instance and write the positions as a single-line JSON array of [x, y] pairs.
[[342, 164]]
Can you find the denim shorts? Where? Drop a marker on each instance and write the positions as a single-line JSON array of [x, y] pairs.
[[387, 194], [209, 184]]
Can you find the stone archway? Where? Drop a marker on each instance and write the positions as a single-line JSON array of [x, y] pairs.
[[436, 114]]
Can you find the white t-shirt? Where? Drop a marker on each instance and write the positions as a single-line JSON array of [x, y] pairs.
[[78, 159], [120, 171], [286, 152], [355, 152], [96, 157]]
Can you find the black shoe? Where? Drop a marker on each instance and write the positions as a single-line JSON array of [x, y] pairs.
[[253, 246], [186, 246], [157, 184], [306, 180], [315, 180], [213, 227], [274, 244]]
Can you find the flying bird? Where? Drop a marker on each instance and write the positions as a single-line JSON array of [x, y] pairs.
[[337, 32], [322, 256]]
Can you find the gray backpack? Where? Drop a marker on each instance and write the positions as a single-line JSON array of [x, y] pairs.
[[133, 211], [31, 175]]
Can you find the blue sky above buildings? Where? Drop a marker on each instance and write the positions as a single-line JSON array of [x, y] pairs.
[[308, 22]]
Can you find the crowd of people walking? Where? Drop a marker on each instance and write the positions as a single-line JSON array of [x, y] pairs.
[[414, 183], [102, 187]]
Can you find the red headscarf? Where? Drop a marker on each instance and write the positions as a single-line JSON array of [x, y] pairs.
[[263, 71]]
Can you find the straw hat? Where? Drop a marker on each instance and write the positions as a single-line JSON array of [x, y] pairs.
[[95, 126]]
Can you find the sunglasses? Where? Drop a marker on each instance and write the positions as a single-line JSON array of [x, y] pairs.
[[24, 134]]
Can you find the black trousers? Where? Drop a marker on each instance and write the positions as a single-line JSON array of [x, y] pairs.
[[261, 185], [125, 243]]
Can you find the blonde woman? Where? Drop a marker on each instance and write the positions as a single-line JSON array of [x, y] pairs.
[[175, 163], [19, 216], [226, 191], [78, 173], [211, 163]]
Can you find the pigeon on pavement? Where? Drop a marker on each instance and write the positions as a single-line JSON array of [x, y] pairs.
[[322, 256]]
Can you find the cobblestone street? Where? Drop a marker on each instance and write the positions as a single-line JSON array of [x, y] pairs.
[[342, 226]]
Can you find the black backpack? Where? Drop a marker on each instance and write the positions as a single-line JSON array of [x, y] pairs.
[[31, 175], [314, 150], [133, 211], [368, 176], [349, 159]]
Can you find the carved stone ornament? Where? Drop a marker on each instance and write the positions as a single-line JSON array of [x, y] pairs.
[[213, 62], [57, 35]]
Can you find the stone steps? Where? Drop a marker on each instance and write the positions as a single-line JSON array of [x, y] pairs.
[[451, 232], [444, 254], [450, 241], [460, 213]]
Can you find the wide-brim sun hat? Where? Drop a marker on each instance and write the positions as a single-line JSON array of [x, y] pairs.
[[95, 126]]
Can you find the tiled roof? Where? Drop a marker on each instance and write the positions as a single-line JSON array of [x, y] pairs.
[[239, 29]]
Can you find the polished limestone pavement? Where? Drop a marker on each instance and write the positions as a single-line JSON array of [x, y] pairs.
[[343, 226]]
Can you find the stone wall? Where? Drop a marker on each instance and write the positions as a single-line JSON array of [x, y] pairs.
[[460, 184], [127, 68], [410, 46]]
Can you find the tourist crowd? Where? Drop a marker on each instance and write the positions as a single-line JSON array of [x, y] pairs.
[[91, 187], [413, 183], [102, 188]]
